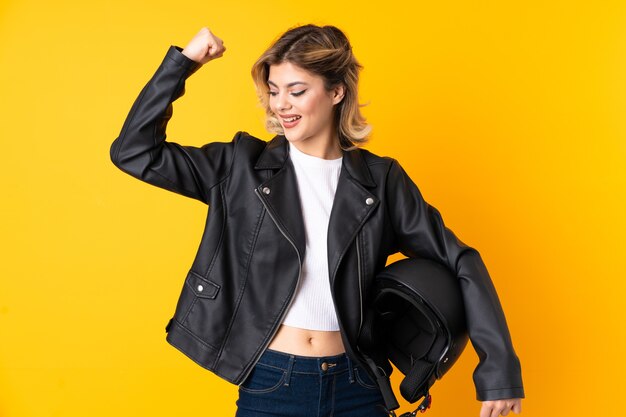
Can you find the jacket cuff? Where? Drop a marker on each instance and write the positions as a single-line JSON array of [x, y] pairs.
[[500, 394], [175, 54]]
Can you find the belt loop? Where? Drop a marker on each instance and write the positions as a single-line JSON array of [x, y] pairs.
[[289, 368], [350, 370]]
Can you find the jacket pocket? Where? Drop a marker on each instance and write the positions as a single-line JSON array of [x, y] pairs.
[[201, 309], [195, 287], [201, 286]]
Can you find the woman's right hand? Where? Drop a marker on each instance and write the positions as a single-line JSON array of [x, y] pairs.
[[204, 47]]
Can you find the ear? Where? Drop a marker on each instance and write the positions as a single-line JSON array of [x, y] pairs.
[[338, 93]]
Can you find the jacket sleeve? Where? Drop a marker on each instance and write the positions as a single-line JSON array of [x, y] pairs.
[[142, 151], [421, 232]]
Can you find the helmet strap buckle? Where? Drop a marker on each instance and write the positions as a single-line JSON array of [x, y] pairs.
[[424, 405]]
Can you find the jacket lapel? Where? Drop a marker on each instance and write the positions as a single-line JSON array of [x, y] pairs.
[[352, 205], [280, 192]]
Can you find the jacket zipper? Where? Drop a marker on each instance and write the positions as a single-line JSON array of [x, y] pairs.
[[358, 334], [358, 257], [291, 297]]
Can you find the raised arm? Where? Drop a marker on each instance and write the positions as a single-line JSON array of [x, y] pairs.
[[141, 149]]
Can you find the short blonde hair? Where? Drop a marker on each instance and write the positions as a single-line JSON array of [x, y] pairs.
[[324, 51]]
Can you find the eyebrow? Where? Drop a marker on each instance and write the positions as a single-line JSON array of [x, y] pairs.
[[288, 85]]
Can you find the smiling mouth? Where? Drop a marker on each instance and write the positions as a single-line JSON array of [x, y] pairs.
[[291, 121]]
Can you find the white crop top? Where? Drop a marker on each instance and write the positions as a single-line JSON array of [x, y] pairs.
[[312, 306]]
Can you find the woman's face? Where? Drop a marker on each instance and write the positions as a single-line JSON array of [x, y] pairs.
[[295, 92]]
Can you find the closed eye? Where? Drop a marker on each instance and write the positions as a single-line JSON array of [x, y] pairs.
[[299, 93]]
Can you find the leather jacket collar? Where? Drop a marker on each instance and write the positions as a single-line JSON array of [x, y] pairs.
[[352, 205], [275, 154]]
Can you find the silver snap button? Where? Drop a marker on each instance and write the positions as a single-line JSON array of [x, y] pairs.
[[200, 288], [369, 201], [266, 190]]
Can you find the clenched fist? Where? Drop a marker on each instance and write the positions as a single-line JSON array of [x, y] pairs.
[[204, 47]]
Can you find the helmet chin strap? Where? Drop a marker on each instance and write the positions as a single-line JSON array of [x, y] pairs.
[[424, 405], [391, 402]]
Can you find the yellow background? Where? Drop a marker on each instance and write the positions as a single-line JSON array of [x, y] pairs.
[[508, 115]]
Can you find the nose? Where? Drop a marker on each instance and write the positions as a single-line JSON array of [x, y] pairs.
[[282, 102]]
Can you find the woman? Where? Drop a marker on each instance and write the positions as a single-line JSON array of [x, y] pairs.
[[298, 227]]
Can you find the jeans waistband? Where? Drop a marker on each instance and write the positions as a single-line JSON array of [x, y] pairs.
[[320, 365]]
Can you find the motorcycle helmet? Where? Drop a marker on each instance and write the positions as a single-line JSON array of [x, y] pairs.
[[416, 318]]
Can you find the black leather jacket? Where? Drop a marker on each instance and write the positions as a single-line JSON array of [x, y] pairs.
[[249, 260]]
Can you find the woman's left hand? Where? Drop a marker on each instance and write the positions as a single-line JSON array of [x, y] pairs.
[[496, 407]]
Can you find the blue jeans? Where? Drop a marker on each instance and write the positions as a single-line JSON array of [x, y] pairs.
[[282, 384]]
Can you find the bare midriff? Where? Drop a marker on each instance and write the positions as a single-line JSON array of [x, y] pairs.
[[305, 342]]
